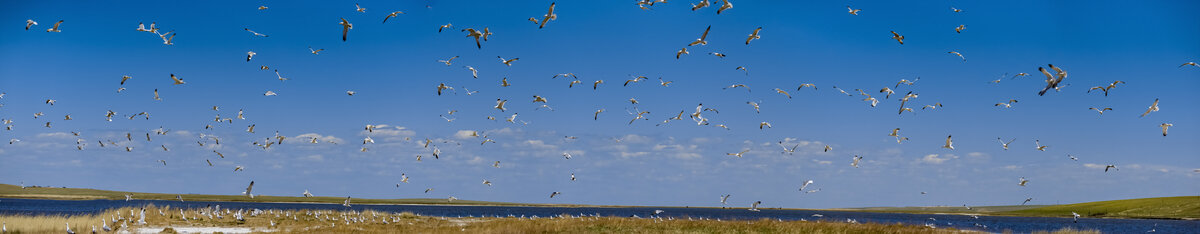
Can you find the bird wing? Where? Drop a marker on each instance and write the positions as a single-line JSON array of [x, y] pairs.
[[345, 28], [547, 17], [705, 35]]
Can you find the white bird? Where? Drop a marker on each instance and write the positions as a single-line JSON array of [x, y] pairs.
[[1005, 144], [1007, 104], [724, 199], [347, 202], [447, 61], [306, 193], [471, 32], [30, 22], [167, 40], [255, 33], [1023, 181], [1075, 217], [1153, 108], [1052, 81], [738, 154], [959, 55], [474, 73], [554, 194], [725, 6], [250, 55], [359, 9], [69, 229], [488, 183], [855, 162], [853, 11], [1038, 144], [754, 206], [393, 14], [566, 155], [764, 123], [702, 40], [442, 86], [805, 185], [311, 50], [54, 29], [1072, 157], [248, 189], [572, 176], [346, 26], [1184, 64], [754, 35], [1101, 111], [1164, 127], [701, 4], [959, 29], [679, 53], [506, 62], [548, 16], [176, 80], [949, 143]]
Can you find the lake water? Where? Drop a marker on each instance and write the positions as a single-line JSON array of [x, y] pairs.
[[982, 223]]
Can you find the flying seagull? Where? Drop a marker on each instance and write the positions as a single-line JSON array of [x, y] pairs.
[[548, 17], [1052, 81], [346, 27], [248, 188], [1005, 144], [1153, 108], [393, 14], [753, 35], [701, 40], [949, 143], [53, 29]]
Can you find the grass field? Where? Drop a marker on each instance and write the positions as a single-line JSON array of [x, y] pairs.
[[1144, 208], [167, 220]]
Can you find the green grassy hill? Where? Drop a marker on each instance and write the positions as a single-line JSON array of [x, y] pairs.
[[1145, 208], [13, 191]]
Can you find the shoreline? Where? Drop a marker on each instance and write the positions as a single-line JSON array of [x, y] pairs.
[[858, 210]]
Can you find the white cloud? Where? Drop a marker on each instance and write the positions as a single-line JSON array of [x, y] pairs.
[[388, 130], [1093, 166], [539, 144], [1012, 167], [936, 159], [465, 134], [980, 155], [633, 154], [56, 135], [632, 138], [307, 138], [315, 157]]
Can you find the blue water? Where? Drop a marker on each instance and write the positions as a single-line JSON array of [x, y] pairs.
[[992, 223]]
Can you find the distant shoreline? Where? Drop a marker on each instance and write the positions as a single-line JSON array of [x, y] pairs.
[[1191, 210]]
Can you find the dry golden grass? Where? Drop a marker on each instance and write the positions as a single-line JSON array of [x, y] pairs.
[[331, 221]]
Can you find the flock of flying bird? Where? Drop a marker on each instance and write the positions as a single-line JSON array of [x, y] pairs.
[[1054, 77]]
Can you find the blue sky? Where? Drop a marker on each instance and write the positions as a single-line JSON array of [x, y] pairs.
[[394, 70]]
